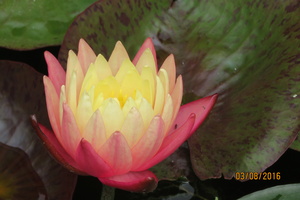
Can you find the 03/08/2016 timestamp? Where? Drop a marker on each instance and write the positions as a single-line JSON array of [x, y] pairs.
[[265, 176]]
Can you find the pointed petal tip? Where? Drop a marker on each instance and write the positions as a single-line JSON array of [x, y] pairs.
[[82, 41], [172, 142], [179, 78], [214, 97], [172, 57], [118, 55], [148, 44], [140, 182], [54, 147], [47, 54], [212, 100], [119, 45], [49, 57], [90, 162], [201, 108], [119, 42], [44, 78], [55, 71], [116, 153], [83, 45]]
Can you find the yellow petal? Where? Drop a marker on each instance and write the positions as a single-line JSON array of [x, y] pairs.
[[149, 144], [112, 115], [167, 114], [138, 98], [89, 80], [91, 93], [84, 111], [133, 127], [146, 111], [103, 69], [159, 97], [117, 57], [109, 87], [94, 132], [62, 100], [126, 67], [149, 83], [146, 59], [72, 93], [130, 84], [73, 66], [129, 104], [164, 80], [147, 74], [98, 102], [72, 61], [146, 91]]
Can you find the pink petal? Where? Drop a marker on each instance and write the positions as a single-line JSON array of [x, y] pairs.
[[149, 144], [70, 134], [55, 71], [189, 118], [144, 181], [52, 102], [177, 96], [94, 131], [90, 162], [171, 143], [55, 148], [86, 55], [170, 67], [200, 107], [147, 44], [117, 153]]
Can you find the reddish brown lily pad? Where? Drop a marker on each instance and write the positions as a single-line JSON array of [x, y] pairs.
[[21, 95], [18, 180]]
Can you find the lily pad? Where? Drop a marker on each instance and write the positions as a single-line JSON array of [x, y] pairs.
[[179, 162], [255, 68], [18, 180], [105, 22], [21, 95], [281, 192], [31, 24], [245, 50]]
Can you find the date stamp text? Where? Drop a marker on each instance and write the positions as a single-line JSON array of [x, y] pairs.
[[265, 176]]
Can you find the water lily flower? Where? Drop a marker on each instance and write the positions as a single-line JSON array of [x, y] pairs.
[[116, 119]]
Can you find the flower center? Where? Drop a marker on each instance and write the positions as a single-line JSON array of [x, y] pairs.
[[128, 82], [110, 88]]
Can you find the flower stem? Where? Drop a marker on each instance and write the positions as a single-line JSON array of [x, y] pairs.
[[108, 193]]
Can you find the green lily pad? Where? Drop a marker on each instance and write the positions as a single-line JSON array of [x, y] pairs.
[[169, 190], [31, 24], [255, 69], [104, 23], [245, 50], [21, 95], [296, 144], [281, 192]]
